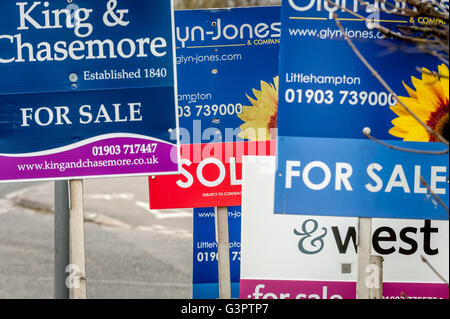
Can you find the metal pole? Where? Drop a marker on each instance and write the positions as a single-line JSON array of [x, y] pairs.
[[376, 291], [77, 251], [223, 249], [364, 253], [61, 239]]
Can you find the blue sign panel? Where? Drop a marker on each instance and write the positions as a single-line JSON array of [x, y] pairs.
[[107, 44], [328, 97], [353, 177], [223, 57], [205, 266], [87, 89]]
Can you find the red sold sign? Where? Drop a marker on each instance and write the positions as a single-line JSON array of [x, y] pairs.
[[210, 176]]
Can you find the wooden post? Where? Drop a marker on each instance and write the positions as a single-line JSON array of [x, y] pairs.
[[223, 250], [364, 253], [77, 251]]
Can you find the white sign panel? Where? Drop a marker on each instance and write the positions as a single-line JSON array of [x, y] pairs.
[[314, 257]]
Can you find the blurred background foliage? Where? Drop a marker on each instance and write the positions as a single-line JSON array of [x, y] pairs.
[[196, 4]]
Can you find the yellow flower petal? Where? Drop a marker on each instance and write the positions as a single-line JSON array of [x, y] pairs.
[[405, 123], [434, 84], [410, 91], [397, 132], [259, 116], [443, 73], [420, 110], [429, 102], [417, 135]]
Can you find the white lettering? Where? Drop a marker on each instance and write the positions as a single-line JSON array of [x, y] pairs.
[[291, 173], [343, 173], [218, 180], [189, 178], [417, 188], [326, 179], [393, 182], [379, 183], [437, 179]]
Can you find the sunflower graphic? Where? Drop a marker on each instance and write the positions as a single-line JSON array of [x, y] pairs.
[[262, 114], [429, 102]]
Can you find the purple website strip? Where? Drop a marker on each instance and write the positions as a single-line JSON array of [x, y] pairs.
[[107, 155]]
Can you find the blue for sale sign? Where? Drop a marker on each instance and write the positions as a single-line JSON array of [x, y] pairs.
[[205, 264], [326, 91], [87, 89], [227, 64], [348, 177], [327, 97]]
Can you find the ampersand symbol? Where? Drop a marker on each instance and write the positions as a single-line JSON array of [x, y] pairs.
[[307, 234], [116, 16]]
